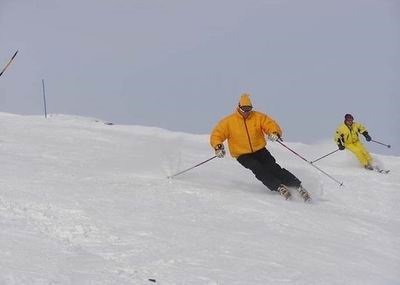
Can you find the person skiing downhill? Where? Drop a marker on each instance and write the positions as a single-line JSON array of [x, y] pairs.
[[346, 137], [245, 131]]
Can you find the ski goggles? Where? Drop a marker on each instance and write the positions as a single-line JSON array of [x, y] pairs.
[[245, 109]]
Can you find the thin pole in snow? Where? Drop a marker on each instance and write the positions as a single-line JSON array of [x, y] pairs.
[[44, 99], [183, 171], [8, 64], [316, 167]]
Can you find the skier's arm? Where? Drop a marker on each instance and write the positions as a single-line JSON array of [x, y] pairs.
[[270, 126], [218, 135]]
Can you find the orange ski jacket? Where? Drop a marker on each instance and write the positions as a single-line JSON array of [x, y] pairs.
[[244, 135]]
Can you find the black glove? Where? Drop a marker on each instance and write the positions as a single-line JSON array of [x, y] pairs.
[[340, 144], [367, 136]]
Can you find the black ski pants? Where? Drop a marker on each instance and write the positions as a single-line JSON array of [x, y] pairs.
[[265, 168]]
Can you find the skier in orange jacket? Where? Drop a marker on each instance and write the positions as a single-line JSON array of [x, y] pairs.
[[245, 131]]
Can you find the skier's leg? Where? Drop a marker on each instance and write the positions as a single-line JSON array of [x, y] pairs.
[[364, 152], [360, 152], [285, 176], [250, 161]]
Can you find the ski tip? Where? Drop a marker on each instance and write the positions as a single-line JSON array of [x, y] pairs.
[[383, 171]]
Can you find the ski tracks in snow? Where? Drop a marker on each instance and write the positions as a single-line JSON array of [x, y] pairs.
[[70, 226], [78, 233]]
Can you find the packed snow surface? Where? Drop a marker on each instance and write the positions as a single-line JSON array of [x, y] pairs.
[[84, 202]]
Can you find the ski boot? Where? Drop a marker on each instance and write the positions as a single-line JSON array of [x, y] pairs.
[[304, 193], [284, 191], [368, 167]]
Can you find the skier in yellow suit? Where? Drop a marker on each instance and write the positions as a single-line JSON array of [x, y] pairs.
[[346, 136]]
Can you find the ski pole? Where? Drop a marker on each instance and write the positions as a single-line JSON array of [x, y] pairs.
[[387, 145], [337, 181], [183, 171], [325, 156], [8, 64]]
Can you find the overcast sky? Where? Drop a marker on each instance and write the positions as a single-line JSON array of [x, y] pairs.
[[182, 64]]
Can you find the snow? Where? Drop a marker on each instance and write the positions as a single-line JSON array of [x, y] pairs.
[[83, 202]]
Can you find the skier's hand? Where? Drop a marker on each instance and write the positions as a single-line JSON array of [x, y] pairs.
[[219, 151], [341, 147], [367, 136], [273, 137]]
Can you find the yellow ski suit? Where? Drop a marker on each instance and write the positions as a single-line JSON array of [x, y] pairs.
[[244, 135], [348, 137]]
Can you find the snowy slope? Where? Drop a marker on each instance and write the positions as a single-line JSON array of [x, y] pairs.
[[82, 202]]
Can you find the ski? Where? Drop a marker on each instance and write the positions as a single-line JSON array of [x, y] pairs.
[[8, 64], [383, 171], [378, 169]]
